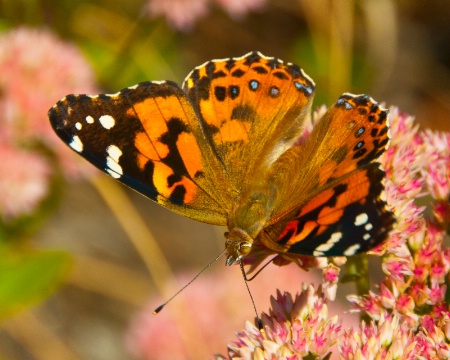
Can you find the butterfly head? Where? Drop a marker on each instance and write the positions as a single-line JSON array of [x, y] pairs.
[[238, 244]]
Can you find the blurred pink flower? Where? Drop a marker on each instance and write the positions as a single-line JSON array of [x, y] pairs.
[[182, 14], [239, 8], [37, 70], [24, 181]]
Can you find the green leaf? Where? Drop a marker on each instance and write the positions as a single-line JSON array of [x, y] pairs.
[[29, 277]]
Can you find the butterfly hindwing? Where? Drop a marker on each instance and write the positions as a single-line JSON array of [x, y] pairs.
[[347, 218], [142, 136], [334, 204]]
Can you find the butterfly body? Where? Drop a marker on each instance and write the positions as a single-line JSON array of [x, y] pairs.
[[221, 150]]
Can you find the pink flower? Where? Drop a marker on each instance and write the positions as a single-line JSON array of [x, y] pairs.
[[24, 181], [182, 14], [238, 8], [294, 328], [37, 70], [330, 276], [437, 167], [388, 339]]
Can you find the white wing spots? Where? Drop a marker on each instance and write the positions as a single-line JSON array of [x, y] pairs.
[[69, 110], [262, 56], [89, 119], [107, 121], [352, 250], [134, 87], [366, 236], [159, 82], [93, 96], [76, 144], [361, 219], [115, 95], [78, 126], [112, 161], [321, 249], [368, 226]]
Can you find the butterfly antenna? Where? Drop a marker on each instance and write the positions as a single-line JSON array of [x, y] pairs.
[[258, 319], [261, 269], [160, 307]]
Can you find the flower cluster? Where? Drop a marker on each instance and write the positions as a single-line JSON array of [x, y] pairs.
[[182, 14], [293, 329], [37, 70]]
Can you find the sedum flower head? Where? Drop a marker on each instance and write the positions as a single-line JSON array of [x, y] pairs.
[[37, 69], [293, 328]]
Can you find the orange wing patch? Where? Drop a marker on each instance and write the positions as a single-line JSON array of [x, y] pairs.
[[163, 117]]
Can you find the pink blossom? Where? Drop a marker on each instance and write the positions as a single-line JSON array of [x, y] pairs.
[[239, 8], [37, 70], [182, 14], [24, 181], [294, 328], [437, 167], [330, 276]]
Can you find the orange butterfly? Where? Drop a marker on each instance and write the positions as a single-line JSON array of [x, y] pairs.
[[220, 150]]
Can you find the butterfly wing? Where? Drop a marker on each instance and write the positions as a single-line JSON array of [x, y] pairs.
[[147, 137], [251, 109], [334, 204]]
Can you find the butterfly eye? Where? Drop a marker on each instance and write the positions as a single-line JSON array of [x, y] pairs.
[[244, 248]]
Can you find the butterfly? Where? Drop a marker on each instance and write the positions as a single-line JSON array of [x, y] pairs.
[[222, 149]]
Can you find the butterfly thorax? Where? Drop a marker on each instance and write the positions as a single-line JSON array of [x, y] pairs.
[[237, 245], [248, 219]]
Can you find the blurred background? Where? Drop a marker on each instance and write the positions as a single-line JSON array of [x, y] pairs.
[[83, 261]]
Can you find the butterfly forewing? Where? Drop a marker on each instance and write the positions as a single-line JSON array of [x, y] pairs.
[[142, 136], [252, 109]]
